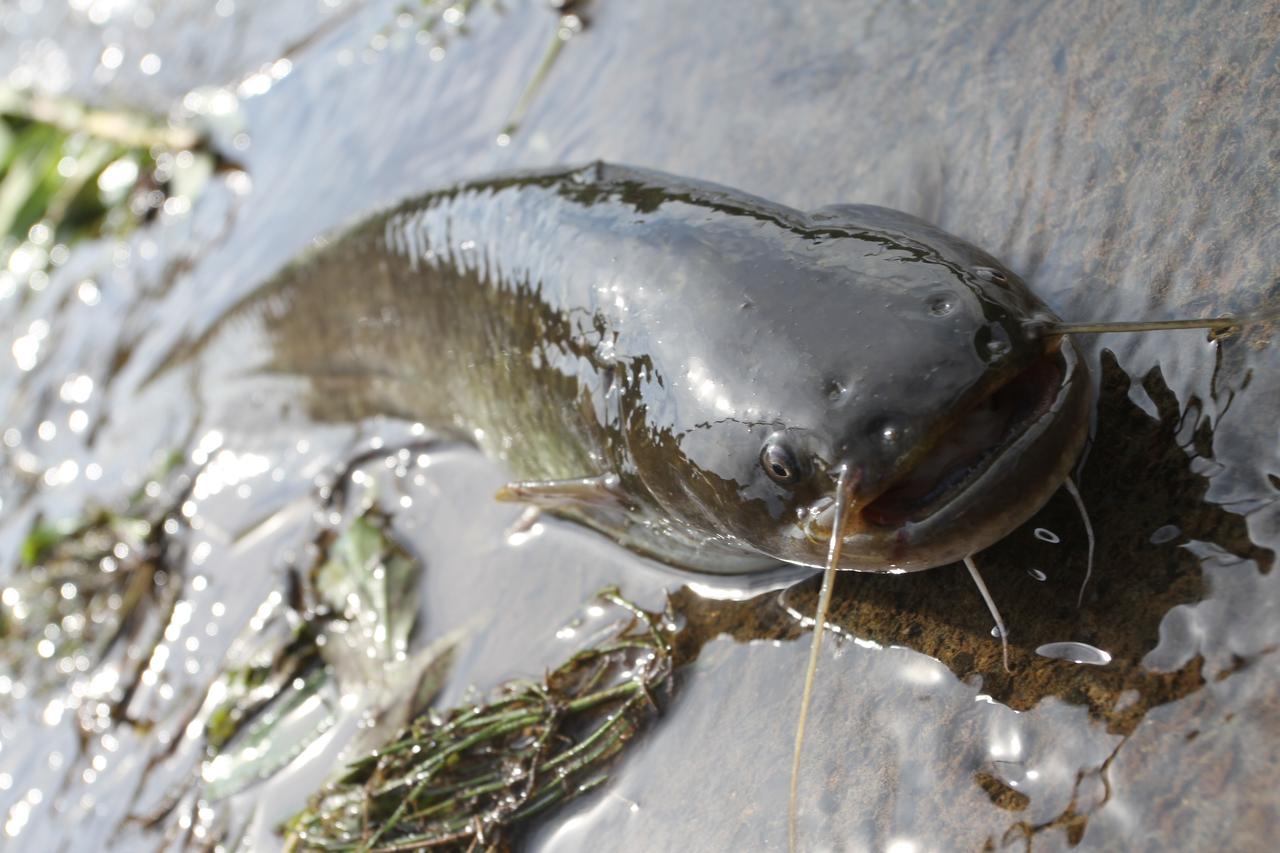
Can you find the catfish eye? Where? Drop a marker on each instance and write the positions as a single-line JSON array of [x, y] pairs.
[[781, 464]]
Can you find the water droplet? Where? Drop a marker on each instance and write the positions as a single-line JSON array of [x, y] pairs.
[[1037, 574], [1164, 534], [1075, 652], [1046, 535]]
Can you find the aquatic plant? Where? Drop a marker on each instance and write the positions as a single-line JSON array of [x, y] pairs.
[[84, 587], [345, 627], [472, 775], [70, 172]]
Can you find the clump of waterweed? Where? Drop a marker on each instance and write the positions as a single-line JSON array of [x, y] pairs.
[[473, 774], [91, 587]]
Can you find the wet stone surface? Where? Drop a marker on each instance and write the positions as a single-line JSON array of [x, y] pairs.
[[1125, 168]]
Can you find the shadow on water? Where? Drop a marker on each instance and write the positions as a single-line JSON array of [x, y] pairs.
[[1148, 507]]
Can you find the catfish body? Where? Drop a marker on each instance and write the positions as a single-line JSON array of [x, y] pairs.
[[685, 367]]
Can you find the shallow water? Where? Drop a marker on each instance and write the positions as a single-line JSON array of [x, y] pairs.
[[1123, 170]]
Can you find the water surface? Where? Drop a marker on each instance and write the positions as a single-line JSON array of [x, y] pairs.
[[1124, 168]]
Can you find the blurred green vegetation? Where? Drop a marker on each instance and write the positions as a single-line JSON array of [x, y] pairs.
[[346, 627], [69, 172], [88, 587]]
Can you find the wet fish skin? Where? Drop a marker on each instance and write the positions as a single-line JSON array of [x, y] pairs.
[[606, 321]]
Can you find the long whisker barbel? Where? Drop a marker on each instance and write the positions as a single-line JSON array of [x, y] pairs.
[[1219, 325], [844, 508]]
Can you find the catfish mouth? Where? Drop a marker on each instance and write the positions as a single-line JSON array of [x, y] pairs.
[[970, 445]]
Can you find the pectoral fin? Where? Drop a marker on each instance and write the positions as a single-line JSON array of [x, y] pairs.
[[558, 494]]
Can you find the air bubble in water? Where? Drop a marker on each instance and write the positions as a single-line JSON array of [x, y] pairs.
[[1075, 652]]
